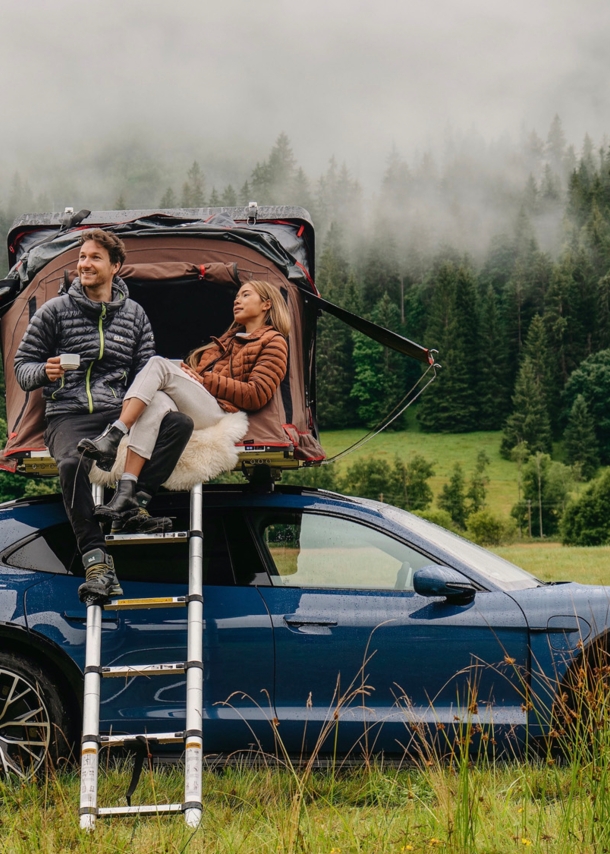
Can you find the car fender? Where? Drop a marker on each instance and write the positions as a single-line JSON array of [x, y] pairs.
[[29, 643]]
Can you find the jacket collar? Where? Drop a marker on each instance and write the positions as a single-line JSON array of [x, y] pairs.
[[225, 341], [93, 309]]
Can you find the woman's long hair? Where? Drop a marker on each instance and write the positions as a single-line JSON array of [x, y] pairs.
[[277, 316]]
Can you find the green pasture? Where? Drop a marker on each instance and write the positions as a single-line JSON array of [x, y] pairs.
[[444, 450]]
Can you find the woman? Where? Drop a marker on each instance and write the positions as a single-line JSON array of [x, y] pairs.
[[240, 370]]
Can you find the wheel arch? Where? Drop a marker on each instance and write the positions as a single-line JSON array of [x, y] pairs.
[[63, 671]]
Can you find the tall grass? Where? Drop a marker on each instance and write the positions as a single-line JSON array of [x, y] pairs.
[[452, 793]]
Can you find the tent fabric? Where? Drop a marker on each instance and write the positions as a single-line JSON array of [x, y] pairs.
[[158, 263]]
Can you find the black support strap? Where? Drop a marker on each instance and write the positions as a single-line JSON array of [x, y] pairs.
[[192, 805], [88, 811], [198, 664], [194, 597], [94, 738], [141, 753], [93, 668], [196, 533], [193, 733]]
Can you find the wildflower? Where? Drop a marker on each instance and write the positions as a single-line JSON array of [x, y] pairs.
[[407, 848], [525, 841], [335, 851], [509, 660]]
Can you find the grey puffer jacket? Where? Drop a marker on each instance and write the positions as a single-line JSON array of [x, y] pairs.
[[114, 341]]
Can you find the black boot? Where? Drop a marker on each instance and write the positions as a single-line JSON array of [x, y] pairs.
[[101, 581], [123, 502], [127, 509], [104, 447]]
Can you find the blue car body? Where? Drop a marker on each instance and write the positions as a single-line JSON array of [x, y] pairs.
[[304, 641]]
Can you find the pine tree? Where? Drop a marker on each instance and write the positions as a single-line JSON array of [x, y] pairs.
[[380, 273], [301, 192], [494, 400], [193, 189], [477, 489], [214, 200], [119, 204], [453, 497], [579, 439], [245, 194], [529, 421], [379, 373], [168, 200], [272, 180], [453, 406], [334, 346], [556, 144], [229, 197]]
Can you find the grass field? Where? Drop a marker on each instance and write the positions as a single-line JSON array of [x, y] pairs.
[[554, 562], [441, 449]]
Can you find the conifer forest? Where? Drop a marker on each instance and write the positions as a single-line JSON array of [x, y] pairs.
[[496, 254]]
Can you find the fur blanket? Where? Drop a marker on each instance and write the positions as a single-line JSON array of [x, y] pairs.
[[208, 453]]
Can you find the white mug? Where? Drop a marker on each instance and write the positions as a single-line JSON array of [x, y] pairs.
[[69, 361]]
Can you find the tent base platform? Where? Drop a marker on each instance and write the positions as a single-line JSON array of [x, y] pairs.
[[41, 464]]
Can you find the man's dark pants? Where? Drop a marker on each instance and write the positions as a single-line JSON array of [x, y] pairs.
[[63, 434]]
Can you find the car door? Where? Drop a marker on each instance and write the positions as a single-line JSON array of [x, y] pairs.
[[360, 657], [238, 639]]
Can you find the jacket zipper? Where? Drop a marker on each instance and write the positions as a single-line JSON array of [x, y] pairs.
[[99, 356], [63, 382]]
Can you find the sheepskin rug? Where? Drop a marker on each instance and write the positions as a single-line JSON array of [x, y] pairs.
[[209, 453]]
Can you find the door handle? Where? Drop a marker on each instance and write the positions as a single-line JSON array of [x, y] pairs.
[[297, 620]]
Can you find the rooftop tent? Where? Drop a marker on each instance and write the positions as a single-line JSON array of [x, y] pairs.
[[184, 269]]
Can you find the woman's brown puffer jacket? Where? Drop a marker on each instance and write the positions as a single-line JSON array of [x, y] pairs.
[[243, 371]]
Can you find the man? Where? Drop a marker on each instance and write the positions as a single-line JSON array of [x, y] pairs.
[[111, 333]]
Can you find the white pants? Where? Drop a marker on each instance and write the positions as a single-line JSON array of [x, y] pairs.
[[164, 387]]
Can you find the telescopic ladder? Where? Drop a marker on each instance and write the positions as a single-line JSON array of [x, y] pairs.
[[192, 736]]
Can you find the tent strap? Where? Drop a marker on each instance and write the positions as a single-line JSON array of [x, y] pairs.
[[391, 416]]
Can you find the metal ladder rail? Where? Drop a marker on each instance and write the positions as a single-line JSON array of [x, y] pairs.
[[193, 735]]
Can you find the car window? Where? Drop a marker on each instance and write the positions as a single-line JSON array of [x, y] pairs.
[[52, 550], [315, 550], [168, 562]]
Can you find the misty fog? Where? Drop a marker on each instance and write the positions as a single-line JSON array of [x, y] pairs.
[[117, 100]]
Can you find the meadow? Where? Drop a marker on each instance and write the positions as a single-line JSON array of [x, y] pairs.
[[440, 449]]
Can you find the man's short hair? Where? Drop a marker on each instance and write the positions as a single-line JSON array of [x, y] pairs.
[[111, 243]]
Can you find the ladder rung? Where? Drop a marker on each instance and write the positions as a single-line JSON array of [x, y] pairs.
[[144, 669], [157, 737], [139, 810], [156, 602], [131, 539]]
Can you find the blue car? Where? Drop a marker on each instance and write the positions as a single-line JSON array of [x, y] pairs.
[[331, 624]]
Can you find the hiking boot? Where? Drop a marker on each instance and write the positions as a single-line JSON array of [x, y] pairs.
[[101, 582], [103, 449], [141, 522]]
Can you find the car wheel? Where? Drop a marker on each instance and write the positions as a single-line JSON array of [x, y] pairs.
[[35, 725]]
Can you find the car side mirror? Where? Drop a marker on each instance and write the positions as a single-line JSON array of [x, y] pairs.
[[435, 580]]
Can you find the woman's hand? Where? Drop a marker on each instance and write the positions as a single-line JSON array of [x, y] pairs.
[[191, 372]]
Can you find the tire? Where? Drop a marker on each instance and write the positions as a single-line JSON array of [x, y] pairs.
[[35, 725]]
